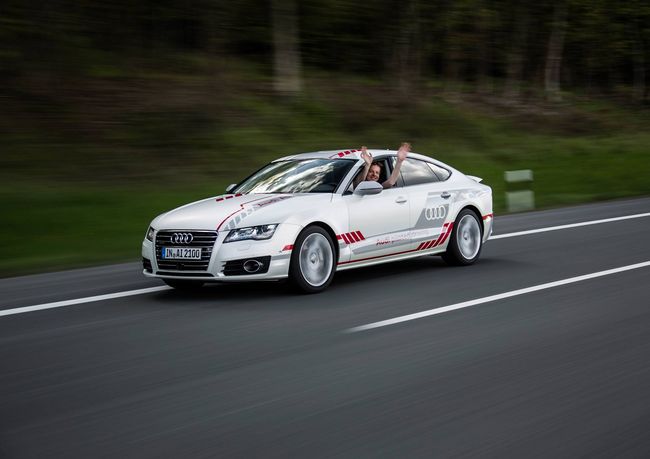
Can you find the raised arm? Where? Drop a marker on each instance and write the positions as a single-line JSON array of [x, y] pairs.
[[367, 158], [402, 153]]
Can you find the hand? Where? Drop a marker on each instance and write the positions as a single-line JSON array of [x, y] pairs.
[[367, 157], [403, 151]]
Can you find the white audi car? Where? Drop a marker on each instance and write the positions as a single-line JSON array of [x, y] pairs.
[[301, 217]]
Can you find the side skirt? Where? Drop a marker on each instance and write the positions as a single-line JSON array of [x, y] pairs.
[[414, 253]]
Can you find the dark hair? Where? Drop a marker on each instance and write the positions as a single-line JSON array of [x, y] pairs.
[[377, 163]]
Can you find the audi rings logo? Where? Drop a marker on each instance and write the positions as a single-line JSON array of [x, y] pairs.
[[182, 238], [435, 213]]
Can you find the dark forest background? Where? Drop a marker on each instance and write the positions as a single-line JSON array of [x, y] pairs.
[[596, 46]]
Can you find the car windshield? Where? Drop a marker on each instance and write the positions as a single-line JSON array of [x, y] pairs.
[[297, 176]]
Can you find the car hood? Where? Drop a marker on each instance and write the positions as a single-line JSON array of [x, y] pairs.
[[230, 211]]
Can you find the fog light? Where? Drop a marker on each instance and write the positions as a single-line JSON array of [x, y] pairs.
[[252, 266]]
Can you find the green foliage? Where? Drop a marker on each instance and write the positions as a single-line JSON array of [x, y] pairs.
[[56, 227]]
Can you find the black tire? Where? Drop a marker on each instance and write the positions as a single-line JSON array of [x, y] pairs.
[[184, 285], [313, 261], [459, 252]]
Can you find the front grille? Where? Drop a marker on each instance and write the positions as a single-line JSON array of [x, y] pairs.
[[146, 265], [203, 239], [236, 267]]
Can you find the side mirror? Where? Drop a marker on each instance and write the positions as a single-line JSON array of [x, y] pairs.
[[366, 188], [230, 187]]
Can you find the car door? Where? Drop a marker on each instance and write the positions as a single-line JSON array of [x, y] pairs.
[[379, 224], [429, 204]]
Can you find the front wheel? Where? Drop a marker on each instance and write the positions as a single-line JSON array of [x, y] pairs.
[[466, 240], [312, 260]]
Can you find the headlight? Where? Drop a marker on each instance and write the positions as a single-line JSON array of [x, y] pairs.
[[252, 232], [150, 232]]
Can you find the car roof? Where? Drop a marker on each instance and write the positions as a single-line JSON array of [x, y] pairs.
[[349, 154]]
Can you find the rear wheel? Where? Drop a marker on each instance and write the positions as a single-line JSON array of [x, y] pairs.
[[466, 240], [184, 285], [312, 260]]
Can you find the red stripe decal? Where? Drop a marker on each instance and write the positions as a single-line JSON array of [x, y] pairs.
[[238, 210], [421, 246], [435, 242], [443, 237], [485, 217], [339, 237], [288, 247], [353, 237], [442, 234], [358, 233], [219, 199], [345, 238], [229, 197], [451, 225], [224, 220], [341, 154], [238, 195]]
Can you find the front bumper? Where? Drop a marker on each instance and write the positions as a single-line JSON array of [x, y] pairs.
[[278, 248]]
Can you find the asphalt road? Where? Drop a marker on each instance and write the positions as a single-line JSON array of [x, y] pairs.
[[254, 371]]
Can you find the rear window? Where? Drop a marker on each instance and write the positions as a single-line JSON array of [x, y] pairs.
[[416, 172], [442, 173]]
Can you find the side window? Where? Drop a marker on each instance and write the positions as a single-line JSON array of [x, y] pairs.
[[442, 173], [383, 174], [350, 188], [400, 181], [416, 172]]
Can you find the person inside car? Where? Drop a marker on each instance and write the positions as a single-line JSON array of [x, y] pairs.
[[372, 169]]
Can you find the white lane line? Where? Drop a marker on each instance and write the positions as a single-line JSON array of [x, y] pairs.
[[500, 296], [88, 299], [571, 225]]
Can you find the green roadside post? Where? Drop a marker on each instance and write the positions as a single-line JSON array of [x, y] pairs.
[[519, 195]]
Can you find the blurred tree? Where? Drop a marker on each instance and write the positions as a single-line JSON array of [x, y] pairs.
[[554, 52], [638, 12], [286, 47], [596, 45], [453, 19], [516, 55], [487, 18], [405, 66]]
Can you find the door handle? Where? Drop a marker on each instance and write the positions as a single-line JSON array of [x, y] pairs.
[[400, 200], [445, 195]]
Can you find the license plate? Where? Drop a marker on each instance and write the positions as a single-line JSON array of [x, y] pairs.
[[181, 253]]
